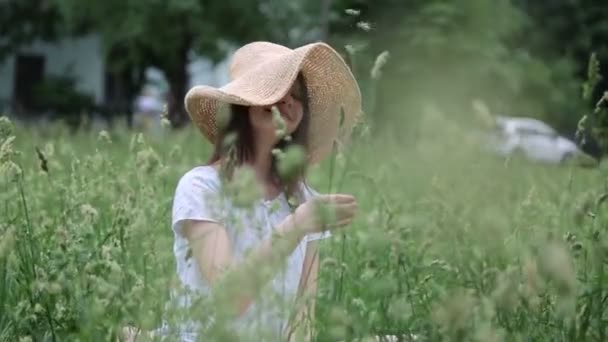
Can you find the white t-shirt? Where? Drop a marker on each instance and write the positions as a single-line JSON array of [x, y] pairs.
[[197, 197]]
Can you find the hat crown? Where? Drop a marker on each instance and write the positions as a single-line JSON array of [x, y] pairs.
[[250, 56]]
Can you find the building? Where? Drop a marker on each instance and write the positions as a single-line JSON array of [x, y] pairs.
[[80, 58]]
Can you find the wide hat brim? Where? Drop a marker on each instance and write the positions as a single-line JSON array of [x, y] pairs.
[[334, 95]]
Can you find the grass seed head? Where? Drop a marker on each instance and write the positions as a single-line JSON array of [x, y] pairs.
[[6, 128], [292, 162], [104, 137], [243, 189], [555, 263], [279, 123], [7, 241], [365, 26], [352, 11], [10, 171], [380, 62]]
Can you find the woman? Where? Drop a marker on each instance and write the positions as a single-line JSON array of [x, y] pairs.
[[256, 262]]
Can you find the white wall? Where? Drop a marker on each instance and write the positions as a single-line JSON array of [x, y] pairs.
[[6, 79], [79, 57], [202, 71]]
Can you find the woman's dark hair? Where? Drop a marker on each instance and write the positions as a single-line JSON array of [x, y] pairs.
[[234, 143]]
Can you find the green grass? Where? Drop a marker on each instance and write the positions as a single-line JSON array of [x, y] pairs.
[[450, 243]]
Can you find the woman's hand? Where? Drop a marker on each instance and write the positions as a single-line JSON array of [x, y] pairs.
[[325, 212]]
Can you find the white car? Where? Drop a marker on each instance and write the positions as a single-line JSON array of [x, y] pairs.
[[532, 138]]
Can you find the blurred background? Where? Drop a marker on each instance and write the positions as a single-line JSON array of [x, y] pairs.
[[89, 84], [95, 64]]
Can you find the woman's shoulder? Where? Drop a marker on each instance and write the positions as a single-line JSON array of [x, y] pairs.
[[205, 176]]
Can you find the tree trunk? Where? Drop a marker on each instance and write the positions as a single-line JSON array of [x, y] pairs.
[[177, 77], [123, 86], [177, 92]]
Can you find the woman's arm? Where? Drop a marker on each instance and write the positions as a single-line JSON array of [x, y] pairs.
[[301, 327], [235, 285]]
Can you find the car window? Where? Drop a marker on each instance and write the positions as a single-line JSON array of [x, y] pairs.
[[535, 131]]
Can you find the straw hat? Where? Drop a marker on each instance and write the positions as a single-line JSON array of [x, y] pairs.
[[262, 73]]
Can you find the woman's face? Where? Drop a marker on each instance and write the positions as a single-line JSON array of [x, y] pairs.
[[291, 109]]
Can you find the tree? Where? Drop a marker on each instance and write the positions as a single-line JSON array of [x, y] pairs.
[[571, 30], [22, 21], [166, 34], [441, 53], [521, 57]]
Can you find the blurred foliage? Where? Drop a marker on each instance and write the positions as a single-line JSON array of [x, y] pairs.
[[594, 124], [166, 34], [509, 54], [58, 95], [22, 21], [521, 58], [84, 252]]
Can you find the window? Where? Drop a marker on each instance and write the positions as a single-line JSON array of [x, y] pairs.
[[29, 71]]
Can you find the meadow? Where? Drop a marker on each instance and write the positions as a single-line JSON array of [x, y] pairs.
[[450, 244]]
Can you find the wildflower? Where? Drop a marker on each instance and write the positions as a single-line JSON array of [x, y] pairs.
[[175, 152], [147, 160], [486, 333], [359, 303], [340, 159], [277, 153], [292, 162], [566, 306], [455, 313], [532, 284], [137, 142], [6, 149], [243, 189], [400, 309], [223, 116], [278, 121], [38, 308], [350, 49], [365, 26], [581, 130], [7, 241], [165, 112], [329, 262], [165, 123], [49, 149], [229, 140], [53, 288], [104, 137], [95, 161], [368, 274], [339, 319], [379, 64], [10, 171], [352, 11], [505, 294], [326, 215], [274, 207], [6, 127], [88, 211], [555, 264], [355, 48], [114, 267]]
